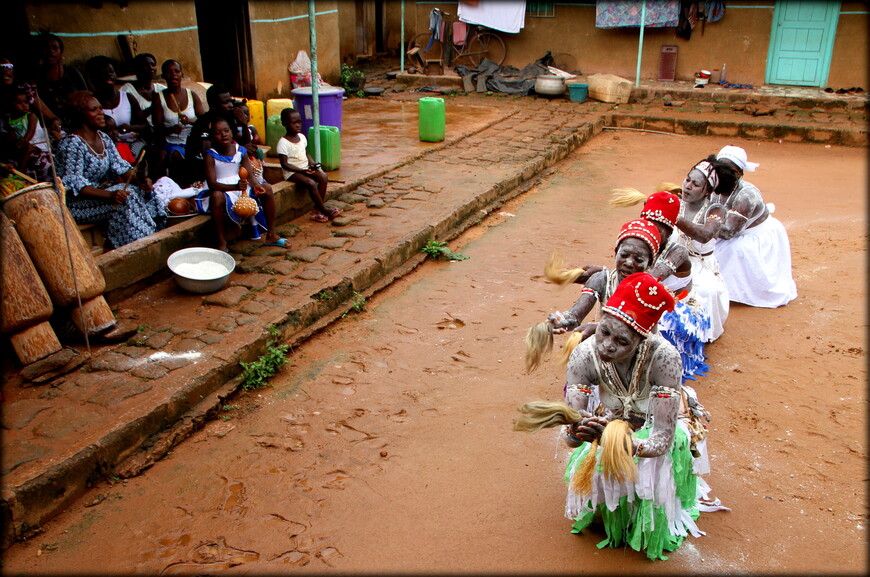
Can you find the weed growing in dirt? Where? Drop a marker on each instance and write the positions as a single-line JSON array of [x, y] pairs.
[[324, 295], [357, 304], [257, 374], [439, 251], [230, 407]]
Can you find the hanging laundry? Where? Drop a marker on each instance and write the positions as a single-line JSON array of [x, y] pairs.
[[688, 18], [626, 13], [501, 15]]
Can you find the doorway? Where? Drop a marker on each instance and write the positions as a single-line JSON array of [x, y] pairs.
[[225, 45], [801, 42]]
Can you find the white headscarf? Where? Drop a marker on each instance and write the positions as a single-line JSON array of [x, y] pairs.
[[738, 156]]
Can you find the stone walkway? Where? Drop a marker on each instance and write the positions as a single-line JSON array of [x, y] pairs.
[[129, 404]]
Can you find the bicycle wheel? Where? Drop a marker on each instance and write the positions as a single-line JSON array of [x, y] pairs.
[[485, 45], [421, 41]]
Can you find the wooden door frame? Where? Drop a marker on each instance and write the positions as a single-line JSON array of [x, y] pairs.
[[831, 30]]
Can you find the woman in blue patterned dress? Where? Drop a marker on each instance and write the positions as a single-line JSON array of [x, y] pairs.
[[95, 178]]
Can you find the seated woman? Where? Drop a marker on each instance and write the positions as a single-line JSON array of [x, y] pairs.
[[100, 184], [144, 89], [642, 482], [175, 111], [753, 248], [698, 225], [122, 106]]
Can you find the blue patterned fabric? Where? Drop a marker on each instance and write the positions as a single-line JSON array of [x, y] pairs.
[[626, 13], [140, 215], [685, 327]]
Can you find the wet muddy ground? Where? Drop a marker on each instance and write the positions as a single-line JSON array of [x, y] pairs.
[[386, 443]]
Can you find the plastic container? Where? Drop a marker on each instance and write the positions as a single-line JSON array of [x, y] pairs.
[[431, 119], [276, 105], [274, 131], [258, 117], [330, 99], [609, 88], [330, 147], [578, 92]]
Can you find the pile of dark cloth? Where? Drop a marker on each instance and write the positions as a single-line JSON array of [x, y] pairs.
[[508, 79]]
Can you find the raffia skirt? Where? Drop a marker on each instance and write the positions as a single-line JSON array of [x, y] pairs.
[[654, 514]]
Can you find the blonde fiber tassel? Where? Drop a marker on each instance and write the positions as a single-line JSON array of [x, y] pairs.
[[575, 339], [669, 187], [539, 415], [616, 452], [581, 482], [539, 340], [625, 197], [555, 271]]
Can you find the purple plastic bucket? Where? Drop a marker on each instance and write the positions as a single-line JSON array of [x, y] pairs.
[[329, 97]]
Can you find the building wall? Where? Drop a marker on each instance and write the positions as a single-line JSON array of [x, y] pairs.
[[281, 32], [168, 30], [178, 38], [740, 39]]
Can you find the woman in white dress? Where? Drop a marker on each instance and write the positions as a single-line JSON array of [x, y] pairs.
[[752, 248]]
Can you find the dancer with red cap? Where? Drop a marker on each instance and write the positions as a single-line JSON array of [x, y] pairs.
[[638, 434]]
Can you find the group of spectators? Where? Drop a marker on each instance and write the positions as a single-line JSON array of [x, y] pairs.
[[108, 140]]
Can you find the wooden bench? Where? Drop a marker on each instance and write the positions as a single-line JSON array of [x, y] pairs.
[[93, 238]]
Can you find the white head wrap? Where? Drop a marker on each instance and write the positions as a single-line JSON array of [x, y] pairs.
[[738, 156], [709, 173]]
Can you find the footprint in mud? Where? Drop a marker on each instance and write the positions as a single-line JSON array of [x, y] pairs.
[[348, 433], [431, 412], [328, 554], [294, 558], [335, 480], [273, 441], [399, 417], [293, 528], [211, 556], [235, 499], [451, 323], [407, 330]]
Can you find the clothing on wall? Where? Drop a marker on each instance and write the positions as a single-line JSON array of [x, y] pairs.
[[626, 13], [501, 15]]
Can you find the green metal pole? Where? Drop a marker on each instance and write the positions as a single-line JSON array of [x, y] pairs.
[[640, 43], [315, 85], [402, 45]]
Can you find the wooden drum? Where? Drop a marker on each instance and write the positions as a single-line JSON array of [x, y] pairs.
[[25, 306], [44, 224]]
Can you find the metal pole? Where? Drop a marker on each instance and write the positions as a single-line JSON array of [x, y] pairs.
[[402, 45], [640, 43], [315, 85]]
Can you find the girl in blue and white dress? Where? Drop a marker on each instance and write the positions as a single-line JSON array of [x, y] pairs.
[[224, 186]]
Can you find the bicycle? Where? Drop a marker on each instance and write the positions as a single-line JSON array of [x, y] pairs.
[[479, 43]]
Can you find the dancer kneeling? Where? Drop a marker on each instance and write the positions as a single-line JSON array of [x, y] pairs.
[[625, 394]]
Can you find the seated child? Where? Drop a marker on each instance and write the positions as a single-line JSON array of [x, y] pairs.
[[224, 186], [255, 153], [123, 148], [299, 168], [32, 144]]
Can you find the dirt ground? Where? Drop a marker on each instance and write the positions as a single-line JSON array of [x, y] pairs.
[[386, 444]]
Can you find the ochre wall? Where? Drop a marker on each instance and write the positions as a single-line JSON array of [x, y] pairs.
[[740, 39], [849, 64], [275, 44], [81, 17]]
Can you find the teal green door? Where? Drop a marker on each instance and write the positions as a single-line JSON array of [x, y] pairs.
[[801, 42]]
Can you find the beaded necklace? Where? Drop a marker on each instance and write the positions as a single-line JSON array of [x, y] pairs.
[[627, 395], [91, 148]]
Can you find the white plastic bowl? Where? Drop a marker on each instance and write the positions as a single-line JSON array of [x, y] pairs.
[[196, 255]]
